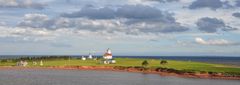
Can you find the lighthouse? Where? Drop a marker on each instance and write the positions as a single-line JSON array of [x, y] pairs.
[[108, 54], [108, 59]]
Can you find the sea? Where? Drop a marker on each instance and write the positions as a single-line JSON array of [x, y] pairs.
[[84, 77], [228, 60]]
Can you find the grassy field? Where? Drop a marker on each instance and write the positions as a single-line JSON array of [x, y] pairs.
[[126, 62]]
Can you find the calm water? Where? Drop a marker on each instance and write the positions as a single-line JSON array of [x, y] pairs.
[[76, 77]]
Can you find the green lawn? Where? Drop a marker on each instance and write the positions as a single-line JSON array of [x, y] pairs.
[[153, 63]]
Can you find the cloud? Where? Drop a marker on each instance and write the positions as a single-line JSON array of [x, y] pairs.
[[92, 13], [25, 34], [21, 4], [237, 14], [97, 25], [125, 11], [212, 4], [219, 42], [237, 3], [212, 25], [43, 21], [128, 19], [137, 12], [140, 18], [157, 27], [61, 45], [34, 20], [163, 1]]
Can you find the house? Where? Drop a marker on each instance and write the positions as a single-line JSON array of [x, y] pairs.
[[108, 54], [41, 63], [22, 63], [90, 56], [83, 58], [107, 57]]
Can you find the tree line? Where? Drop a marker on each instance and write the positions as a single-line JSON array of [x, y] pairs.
[[36, 58]]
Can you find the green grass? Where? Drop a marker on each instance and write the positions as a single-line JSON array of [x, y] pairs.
[[126, 62]]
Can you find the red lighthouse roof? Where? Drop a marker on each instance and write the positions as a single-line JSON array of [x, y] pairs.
[[107, 54]]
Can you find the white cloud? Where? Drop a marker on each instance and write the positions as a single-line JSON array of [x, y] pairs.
[[34, 20], [20, 4], [220, 42], [8, 3], [26, 34], [35, 17]]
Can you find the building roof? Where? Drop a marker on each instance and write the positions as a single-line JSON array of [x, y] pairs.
[[107, 54]]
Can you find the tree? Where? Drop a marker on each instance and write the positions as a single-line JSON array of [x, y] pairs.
[[145, 63], [163, 62]]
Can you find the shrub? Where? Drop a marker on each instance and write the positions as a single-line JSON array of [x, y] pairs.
[[145, 63], [203, 72], [163, 62], [212, 73]]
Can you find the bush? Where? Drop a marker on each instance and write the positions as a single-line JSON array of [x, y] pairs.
[[203, 72], [145, 63], [212, 73], [163, 62]]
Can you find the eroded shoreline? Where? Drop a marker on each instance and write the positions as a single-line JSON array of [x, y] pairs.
[[132, 69]]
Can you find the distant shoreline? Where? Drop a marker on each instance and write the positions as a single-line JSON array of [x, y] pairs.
[[226, 60], [130, 69]]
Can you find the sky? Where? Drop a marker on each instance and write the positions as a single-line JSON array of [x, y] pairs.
[[127, 27]]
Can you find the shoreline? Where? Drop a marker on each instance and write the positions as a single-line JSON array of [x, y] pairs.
[[132, 70]]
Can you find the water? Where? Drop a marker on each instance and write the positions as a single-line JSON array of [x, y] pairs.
[[78, 77]]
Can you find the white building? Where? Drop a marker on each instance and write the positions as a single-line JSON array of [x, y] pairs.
[[25, 63], [108, 59], [22, 63], [83, 58], [90, 56], [108, 54], [41, 63]]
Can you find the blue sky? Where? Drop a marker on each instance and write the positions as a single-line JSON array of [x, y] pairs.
[[128, 27]]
